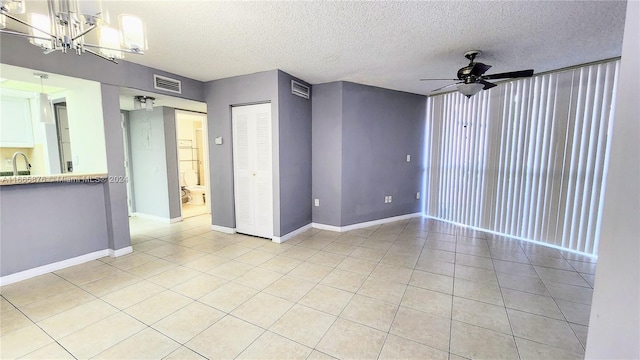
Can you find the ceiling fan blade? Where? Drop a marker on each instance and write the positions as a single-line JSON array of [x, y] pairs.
[[439, 79], [446, 86], [479, 69], [508, 75], [487, 85]]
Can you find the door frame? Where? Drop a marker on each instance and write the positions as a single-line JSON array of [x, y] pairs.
[[205, 154], [127, 161]]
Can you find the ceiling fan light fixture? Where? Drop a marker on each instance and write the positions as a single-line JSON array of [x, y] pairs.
[[471, 89]]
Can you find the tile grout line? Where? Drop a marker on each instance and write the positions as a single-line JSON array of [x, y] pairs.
[[39, 327], [455, 257], [317, 250], [563, 315], [515, 343], [388, 332]]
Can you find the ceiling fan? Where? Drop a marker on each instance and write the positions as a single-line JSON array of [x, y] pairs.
[[471, 78]]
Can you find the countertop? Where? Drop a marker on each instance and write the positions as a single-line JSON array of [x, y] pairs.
[[56, 178]]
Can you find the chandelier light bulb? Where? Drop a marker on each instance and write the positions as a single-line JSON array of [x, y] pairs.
[[110, 41], [41, 29], [68, 22], [133, 34]]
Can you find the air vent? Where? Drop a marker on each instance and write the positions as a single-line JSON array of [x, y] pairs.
[[167, 84], [299, 89]]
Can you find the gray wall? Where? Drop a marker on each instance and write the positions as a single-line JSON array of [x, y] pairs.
[[327, 153], [154, 163], [18, 51], [361, 137], [295, 156], [380, 128], [171, 158], [46, 223], [614, 329], [117, 213], [220, 95]]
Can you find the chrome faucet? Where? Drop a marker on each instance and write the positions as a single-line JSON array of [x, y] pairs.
[[15, 162]]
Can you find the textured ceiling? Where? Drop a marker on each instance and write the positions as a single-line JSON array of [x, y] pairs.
[[386, 44]]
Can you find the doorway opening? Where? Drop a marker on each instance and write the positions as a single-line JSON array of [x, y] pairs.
[[192, 163], [159, 157], [64, 142]]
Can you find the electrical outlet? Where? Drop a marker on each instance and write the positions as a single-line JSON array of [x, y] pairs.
[[316, 202], [418, 195], [408, 158]]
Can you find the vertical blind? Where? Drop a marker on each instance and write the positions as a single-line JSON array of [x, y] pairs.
[[525, 159]]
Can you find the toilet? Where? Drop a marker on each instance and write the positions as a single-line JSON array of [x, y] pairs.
[[196, 192]]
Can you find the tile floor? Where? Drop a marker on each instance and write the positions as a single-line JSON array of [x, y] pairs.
[[189, 210], [416, 289]]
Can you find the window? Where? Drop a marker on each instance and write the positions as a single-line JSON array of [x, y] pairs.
[[526, 159]]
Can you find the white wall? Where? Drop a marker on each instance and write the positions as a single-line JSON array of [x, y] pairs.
[[615, 311], [86, 128]]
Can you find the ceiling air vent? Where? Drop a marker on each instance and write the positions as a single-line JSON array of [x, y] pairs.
[[167, 84], [299, 89]]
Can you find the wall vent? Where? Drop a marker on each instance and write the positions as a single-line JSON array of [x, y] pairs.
[[167, 84], [300, 89]]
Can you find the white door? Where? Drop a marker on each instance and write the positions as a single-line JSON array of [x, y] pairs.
[[252, 174]]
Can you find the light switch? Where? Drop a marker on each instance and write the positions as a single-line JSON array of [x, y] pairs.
[[418, 195], [218, 140], [408, 158], [316, 202]]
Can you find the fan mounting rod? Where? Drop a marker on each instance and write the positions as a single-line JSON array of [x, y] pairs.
[[471, 54]]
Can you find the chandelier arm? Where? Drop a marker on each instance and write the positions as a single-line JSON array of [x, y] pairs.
[[27, 24], [102, 56], [11, 32], [85, 32], [137, 52]]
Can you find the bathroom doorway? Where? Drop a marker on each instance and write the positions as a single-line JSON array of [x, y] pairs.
[[193, 163]]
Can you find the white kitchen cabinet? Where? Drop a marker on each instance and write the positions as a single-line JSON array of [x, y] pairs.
[[15, 123]]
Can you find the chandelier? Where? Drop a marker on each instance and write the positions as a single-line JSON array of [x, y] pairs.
[[68, 21]]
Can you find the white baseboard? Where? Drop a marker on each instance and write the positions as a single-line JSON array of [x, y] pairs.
[[326, 227], [120, 252], [364, 224], [281, 239], [44, 269], [514, 237], [223, 229], [157, 218]]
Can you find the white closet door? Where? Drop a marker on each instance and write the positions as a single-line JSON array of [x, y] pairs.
[[252, 169]]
